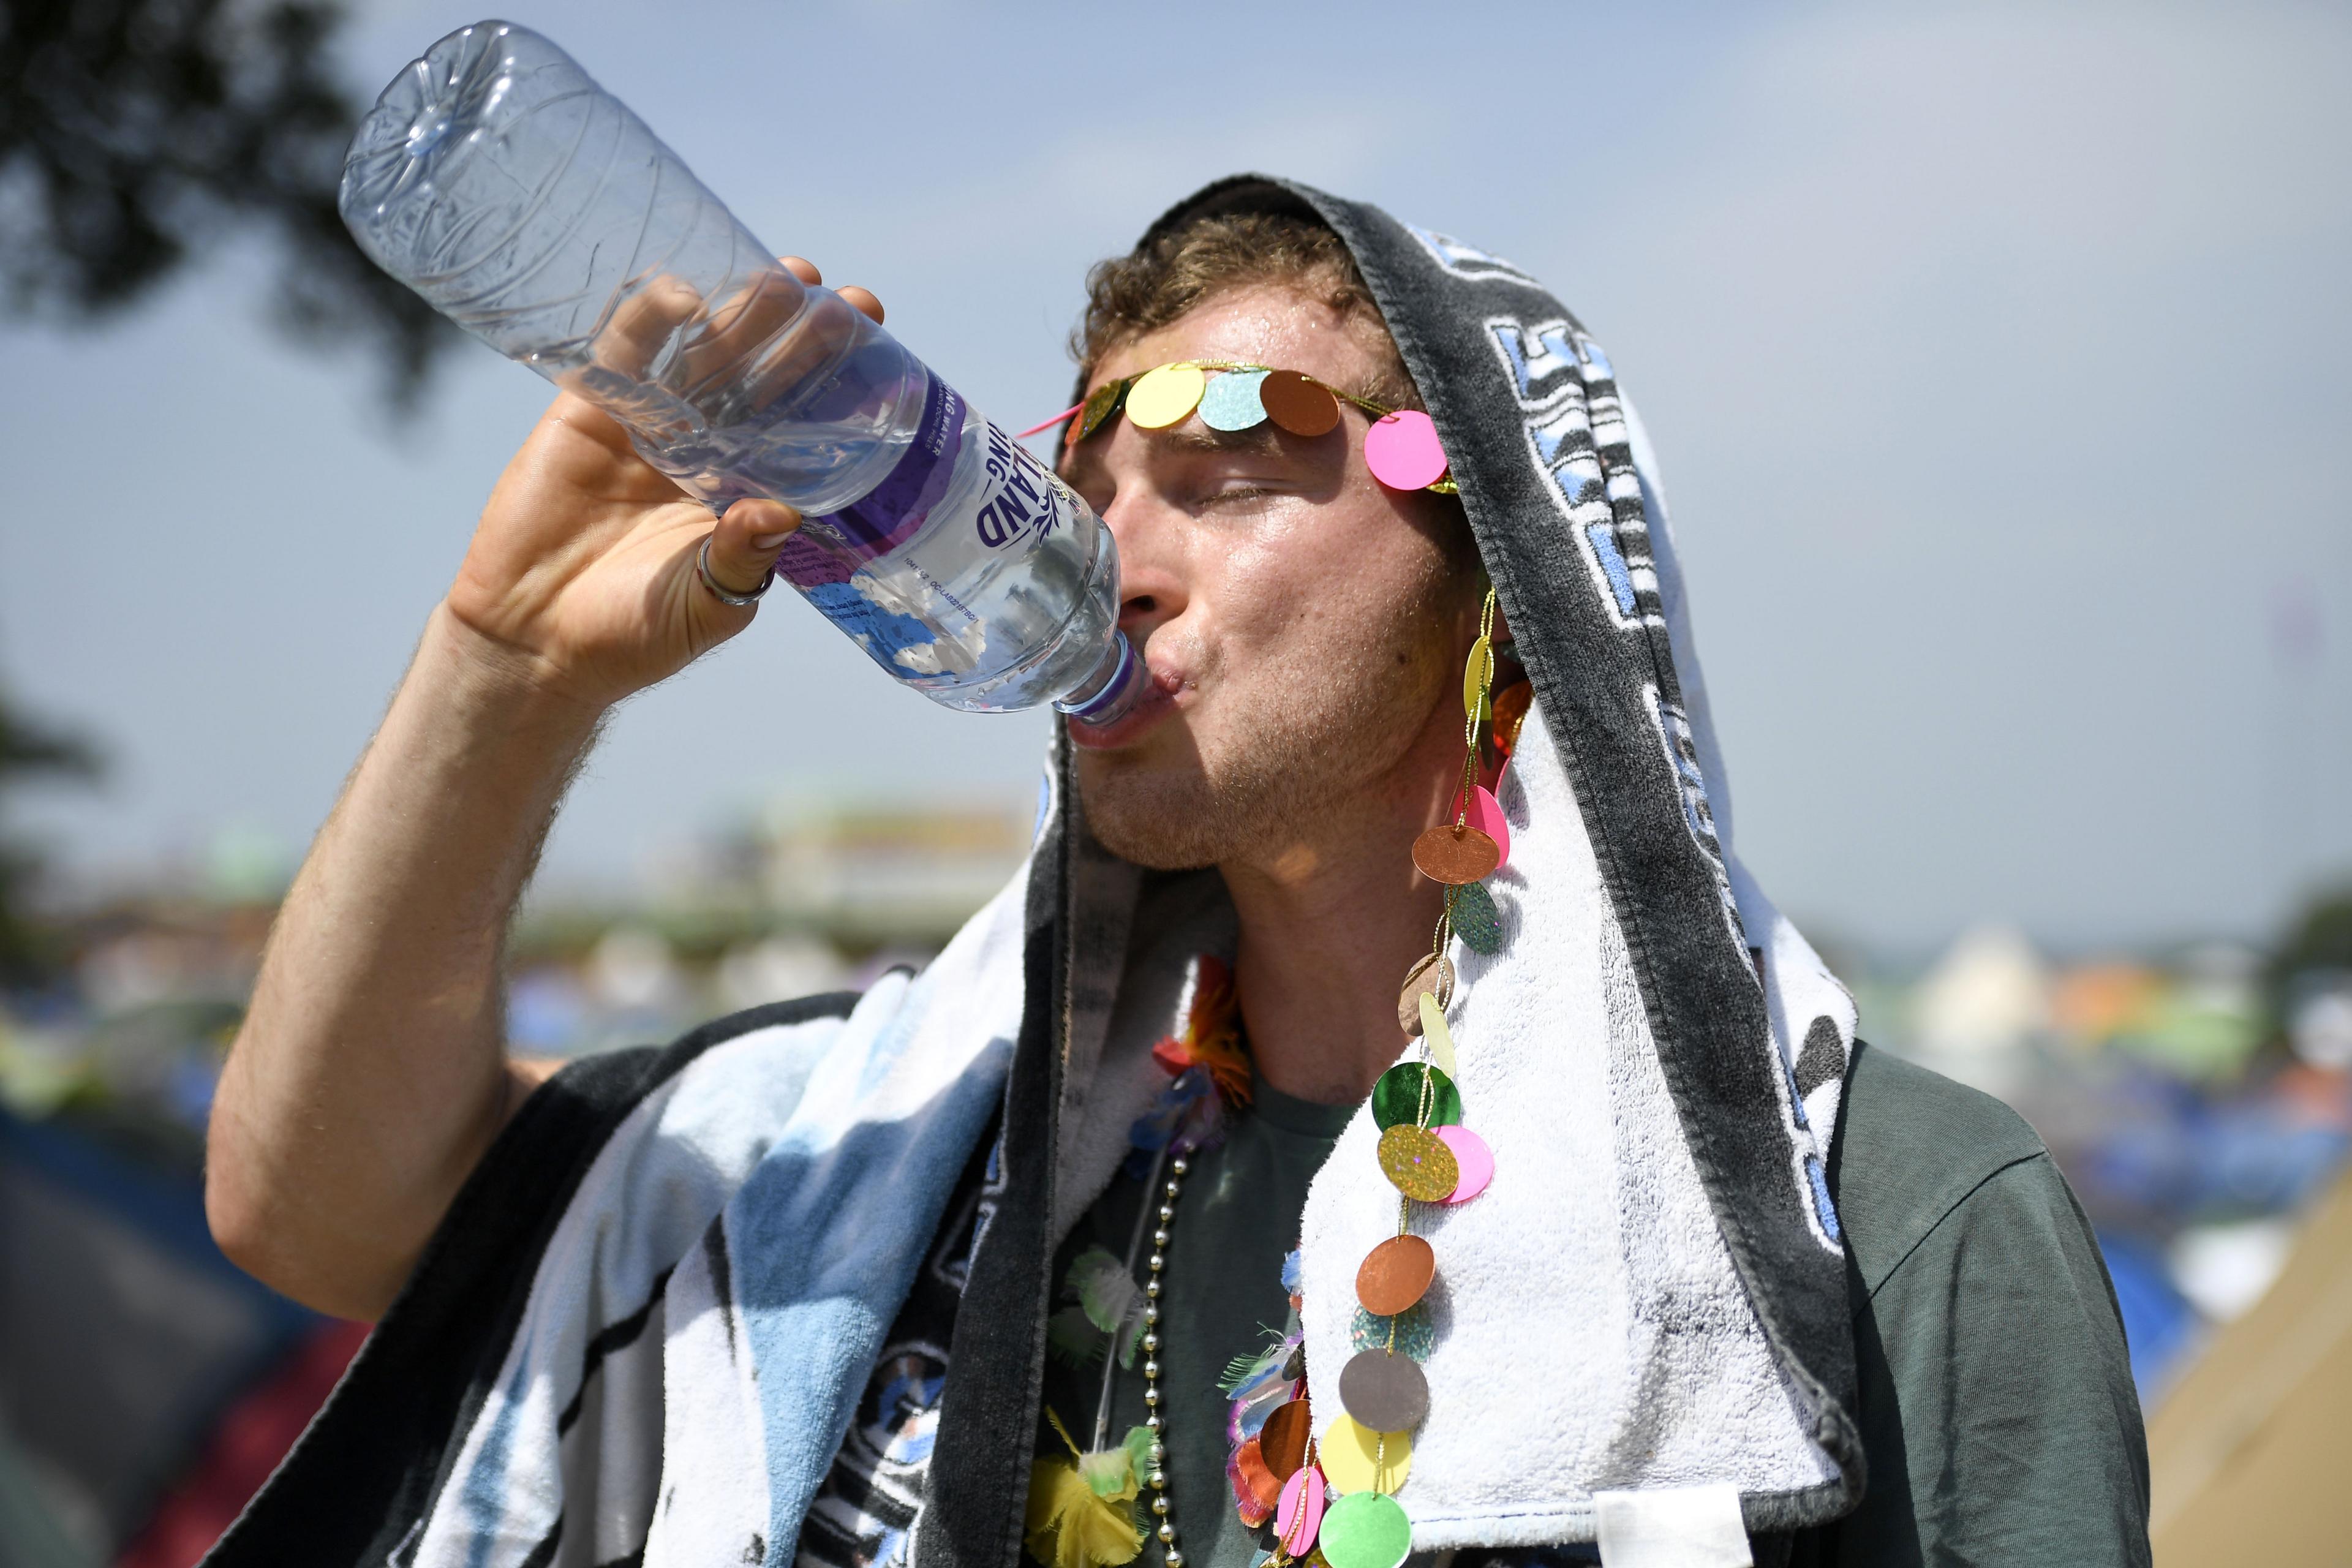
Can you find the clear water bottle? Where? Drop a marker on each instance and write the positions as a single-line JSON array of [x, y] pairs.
[[532, 207]]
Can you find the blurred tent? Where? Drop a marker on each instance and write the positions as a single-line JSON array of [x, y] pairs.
[[2247, 1452], [2159, 1325], [245, 1447], [140, 1372]]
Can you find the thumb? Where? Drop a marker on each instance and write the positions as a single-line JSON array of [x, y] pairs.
[[743, 546]]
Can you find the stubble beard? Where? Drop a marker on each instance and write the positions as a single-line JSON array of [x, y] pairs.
[[1291, 762]]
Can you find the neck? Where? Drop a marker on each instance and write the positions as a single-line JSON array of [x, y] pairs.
[[1330, 924]]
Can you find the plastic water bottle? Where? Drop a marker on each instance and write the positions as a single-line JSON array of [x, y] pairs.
[[532, 207]]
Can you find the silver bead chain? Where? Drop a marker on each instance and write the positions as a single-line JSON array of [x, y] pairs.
[[1158, 1481]]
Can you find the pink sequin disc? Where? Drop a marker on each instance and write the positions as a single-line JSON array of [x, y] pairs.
[[1401, 450], [1486, 816], [1471, 1153], [1300, 1513]]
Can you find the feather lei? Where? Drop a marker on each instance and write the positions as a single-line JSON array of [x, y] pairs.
[[1211, 1039], [1081, 1511], [1208, 1068], [1257, 1386], [1081, 1508], [1109, 1301]]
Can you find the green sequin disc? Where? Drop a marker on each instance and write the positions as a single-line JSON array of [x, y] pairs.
[[1396, 1098], [1476, 920], [1414, 1333], [1098, 407], [1366, 1530]]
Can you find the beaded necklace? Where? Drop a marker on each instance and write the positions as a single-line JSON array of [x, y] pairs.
[[1081, 1511]]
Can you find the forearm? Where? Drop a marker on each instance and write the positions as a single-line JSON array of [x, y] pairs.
[[371, 1073]]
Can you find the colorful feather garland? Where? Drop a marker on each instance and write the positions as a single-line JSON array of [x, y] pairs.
[[1211, 1039], [1108, 1294], [1081, 1510]]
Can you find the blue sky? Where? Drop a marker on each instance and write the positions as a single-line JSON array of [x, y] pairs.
[[1995, 357]]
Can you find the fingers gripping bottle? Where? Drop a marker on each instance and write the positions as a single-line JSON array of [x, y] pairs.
[[533, 208]]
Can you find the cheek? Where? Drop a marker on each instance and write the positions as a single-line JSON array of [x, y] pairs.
[[1264, 594], [1325, 596]]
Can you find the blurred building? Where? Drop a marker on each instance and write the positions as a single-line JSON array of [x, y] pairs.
[[1981, 1009], [881, 873]]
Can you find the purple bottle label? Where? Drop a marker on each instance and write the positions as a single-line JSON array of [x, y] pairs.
[[1023, 498], [1020, 501], [831, 546]]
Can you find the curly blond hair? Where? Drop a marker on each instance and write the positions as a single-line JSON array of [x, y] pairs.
[[1174, 273]]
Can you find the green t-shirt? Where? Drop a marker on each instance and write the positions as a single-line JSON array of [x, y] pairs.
[[1995, 1398], [1220, 1292], [1994, 1393]]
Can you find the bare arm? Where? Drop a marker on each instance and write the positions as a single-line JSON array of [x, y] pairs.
[[371, 1073]]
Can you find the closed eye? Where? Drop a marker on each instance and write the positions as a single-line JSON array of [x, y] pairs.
[[1236, 493]]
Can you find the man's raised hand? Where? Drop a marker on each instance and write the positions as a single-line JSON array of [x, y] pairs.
[[580, 576]]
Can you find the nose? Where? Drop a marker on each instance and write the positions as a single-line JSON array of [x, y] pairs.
[[1151, 577]]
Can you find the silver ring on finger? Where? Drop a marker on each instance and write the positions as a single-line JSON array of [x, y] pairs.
[[718, 590]]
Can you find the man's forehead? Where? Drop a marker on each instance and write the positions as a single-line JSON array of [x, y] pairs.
[[1268, 325]]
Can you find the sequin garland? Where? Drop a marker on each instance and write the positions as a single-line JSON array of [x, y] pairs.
[[1401, 444], [1333, 1502]]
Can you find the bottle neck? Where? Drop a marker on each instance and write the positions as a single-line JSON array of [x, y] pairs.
[[1111, 690]]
